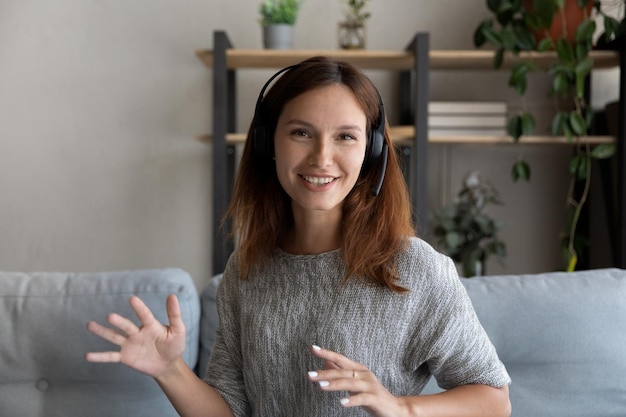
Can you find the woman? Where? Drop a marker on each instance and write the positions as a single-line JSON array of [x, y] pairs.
[[327, 257]]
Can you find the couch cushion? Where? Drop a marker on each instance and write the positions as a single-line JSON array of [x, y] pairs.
[[42, 367], [562, 337], [210, 319]]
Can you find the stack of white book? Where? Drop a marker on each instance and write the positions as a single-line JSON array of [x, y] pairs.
[[467, 118]]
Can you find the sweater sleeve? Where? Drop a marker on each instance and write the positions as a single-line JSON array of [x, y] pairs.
[[459, 350], [224, 371]]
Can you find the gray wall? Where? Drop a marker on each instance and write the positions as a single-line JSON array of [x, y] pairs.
[[100, 102]]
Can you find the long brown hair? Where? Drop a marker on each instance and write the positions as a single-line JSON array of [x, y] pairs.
[[374, 229]]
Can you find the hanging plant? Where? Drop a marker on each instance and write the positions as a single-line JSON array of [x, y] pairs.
[[519, 26]]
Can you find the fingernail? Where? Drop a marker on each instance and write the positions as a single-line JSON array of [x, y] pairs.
[[344, 401], [312, 374], [324, 383], [315, 347]]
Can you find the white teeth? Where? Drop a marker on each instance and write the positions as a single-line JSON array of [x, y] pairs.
[[318, 180]]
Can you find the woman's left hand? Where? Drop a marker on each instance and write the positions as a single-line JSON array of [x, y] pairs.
[[343, 374]]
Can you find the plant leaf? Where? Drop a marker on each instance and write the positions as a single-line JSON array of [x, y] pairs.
[[524, 39], [558, 122], [517, 79], [578, 166], [528, 124], [545, 45], [582, 71], [560, 84], [603, 151], [611, 26], [521, 170], [514, 128], [574, 164], [507, 38], [493, 5], [565, 51], [479, 36], [498, 58], [578, 124], [585, 31]]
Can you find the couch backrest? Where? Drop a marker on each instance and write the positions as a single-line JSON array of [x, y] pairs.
[[43, 341], [562, 337]]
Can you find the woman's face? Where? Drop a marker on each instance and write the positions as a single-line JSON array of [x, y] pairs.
[[320, 142]]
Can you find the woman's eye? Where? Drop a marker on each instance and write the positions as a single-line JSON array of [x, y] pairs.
[[300, 132], [345, 136]]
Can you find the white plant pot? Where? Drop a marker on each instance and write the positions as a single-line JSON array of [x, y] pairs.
[[278, 37]]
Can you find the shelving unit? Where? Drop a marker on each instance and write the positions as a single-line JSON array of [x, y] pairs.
[[413, 64]]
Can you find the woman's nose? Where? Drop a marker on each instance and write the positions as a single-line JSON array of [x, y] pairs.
[[321, 153]]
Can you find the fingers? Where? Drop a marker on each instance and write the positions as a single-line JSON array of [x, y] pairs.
[[103, 357], [106, 333], [334, 360], [122, 323], [177, 326], [344, 374], [340, 373], [343, 379], [142, 311]]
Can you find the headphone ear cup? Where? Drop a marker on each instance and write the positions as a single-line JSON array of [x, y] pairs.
[[377, 134], [377, 140]]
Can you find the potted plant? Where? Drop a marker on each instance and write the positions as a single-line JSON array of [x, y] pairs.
[[278, 18], [352, 30], [519, 26], [464, 231]]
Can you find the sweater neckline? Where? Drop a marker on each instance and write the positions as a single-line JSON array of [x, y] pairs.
[[324, 255]]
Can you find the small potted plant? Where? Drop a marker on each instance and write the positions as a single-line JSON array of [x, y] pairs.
[[352, 30], [464, 231], [278, 18]]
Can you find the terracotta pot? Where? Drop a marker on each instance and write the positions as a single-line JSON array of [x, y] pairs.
[[574, 16]]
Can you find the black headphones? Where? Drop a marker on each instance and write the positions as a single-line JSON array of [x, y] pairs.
[[376, 146]]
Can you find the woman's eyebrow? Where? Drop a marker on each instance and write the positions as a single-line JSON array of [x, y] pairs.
[[310, 125]]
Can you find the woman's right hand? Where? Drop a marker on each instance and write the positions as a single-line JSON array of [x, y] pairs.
[[151, 348]]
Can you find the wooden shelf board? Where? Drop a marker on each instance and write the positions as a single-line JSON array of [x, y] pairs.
[[461, 60], [483, 60], [403, 136], [266, 58]]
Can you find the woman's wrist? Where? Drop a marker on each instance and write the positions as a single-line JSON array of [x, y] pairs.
[[174, 371]]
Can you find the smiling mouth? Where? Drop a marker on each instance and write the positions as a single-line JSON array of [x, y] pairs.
[[318, 180]]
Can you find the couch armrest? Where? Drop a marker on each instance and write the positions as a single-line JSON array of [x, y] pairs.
[[562, 337], [44, 340]]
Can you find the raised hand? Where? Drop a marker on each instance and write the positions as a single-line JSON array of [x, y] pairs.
[[152, 348], [343, 374]]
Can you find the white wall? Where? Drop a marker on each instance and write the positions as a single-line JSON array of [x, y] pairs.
[[100, 101]]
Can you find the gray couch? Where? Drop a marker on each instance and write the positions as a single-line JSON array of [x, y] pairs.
[[562, 337]]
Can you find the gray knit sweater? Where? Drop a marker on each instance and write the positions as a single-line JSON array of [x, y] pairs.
[[268, 323]]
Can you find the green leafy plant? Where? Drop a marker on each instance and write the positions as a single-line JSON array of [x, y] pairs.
[[354, 11], [275, 12], [514, 31], [613, 18], [464, 231]]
